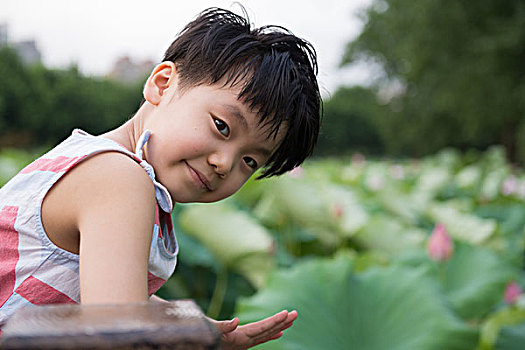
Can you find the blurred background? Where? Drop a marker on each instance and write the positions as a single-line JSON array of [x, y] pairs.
[[405, 231]]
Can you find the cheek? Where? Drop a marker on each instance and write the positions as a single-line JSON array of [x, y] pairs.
[[227, 189], [237, 184]]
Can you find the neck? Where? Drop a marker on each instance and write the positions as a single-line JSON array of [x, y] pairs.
[[128, 133]]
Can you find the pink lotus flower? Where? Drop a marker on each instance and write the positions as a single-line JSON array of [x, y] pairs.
[[509, 186], [337, 210], [512, 292], [297, 172], [440, 246]]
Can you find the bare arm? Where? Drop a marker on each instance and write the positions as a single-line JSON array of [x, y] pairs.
[[114, 215]]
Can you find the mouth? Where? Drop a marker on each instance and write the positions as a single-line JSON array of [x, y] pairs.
[[199, 178]]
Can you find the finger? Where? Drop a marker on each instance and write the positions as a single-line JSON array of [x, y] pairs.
[[280, 326], [292, 316], [225, 326], [262, 326], [270, 333], [232, 325], [276, 336], [287, 325]]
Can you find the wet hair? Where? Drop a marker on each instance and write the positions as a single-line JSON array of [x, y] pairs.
[[277, 72]]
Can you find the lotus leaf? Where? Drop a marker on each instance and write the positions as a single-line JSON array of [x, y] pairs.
[[232, 236], [394, 308], [475, 280], [463, 226]]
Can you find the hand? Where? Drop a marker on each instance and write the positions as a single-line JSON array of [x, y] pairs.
[[251, 334]]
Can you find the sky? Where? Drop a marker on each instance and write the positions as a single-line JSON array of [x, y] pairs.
[[94, 33]]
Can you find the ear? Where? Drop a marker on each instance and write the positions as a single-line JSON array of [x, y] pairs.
[[162, 77]]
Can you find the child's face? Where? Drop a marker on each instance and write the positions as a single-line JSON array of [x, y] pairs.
[[205, 143]]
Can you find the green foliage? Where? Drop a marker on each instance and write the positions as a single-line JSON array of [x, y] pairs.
[[474, 280], [20, 97], [348, 123], [42, 106], [386, 308], [511, 337], [504, 330], [374, 217], [453, 73], [11, 161], [345, 244], [235, 239]]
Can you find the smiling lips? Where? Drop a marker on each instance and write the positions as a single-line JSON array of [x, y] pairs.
[[199, 178]]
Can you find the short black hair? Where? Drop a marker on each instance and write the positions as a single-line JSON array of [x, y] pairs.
[[277, 69]]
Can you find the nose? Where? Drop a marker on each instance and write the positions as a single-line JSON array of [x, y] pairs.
[[221, 162]]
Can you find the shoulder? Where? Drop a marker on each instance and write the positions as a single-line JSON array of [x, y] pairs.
[[114, 176], [109, 187], [114, 169], [108, 180]]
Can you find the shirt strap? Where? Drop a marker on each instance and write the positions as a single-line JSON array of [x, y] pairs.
[[161, 193]]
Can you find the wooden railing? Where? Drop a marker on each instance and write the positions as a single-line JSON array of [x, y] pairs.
[[174, 325]]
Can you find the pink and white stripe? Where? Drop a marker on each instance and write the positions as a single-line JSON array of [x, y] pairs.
[[33, 270]]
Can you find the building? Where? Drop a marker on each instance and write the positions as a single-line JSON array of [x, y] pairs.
[[28, 52], [127, 71], [3, 34], [27, 49]]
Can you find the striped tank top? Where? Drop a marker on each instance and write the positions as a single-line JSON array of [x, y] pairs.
[[33, 270]]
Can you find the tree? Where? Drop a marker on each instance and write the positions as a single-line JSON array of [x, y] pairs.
[[459, 68], [348, 123], [42, 106], [20, 97]]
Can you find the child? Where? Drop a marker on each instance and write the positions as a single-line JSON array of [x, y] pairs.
[[76, 225]]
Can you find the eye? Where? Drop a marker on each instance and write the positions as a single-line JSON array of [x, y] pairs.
[[223, 128], [250, 162]]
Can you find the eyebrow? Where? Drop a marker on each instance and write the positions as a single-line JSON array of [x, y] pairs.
[[241, 119], [236, 112]]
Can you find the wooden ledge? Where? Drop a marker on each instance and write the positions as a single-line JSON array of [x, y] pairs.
[[176, 325]]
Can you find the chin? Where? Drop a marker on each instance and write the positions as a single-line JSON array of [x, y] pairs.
[[212, 200], [183, 199]]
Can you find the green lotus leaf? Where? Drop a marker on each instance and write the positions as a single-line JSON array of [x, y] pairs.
[[511, 337], [269, 210], [393, 308], [330, 212], [469, 176], [253, 190], [302, 202], [447, 158], [352, 175], [431, 180], [388, 235], [475, 280], [193, 252], [345, 209], [401, 205], [463, 226], [232, 236], [375, 177], [492, 182]]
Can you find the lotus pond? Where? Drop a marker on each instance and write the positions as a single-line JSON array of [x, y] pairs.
[[374, 254]]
